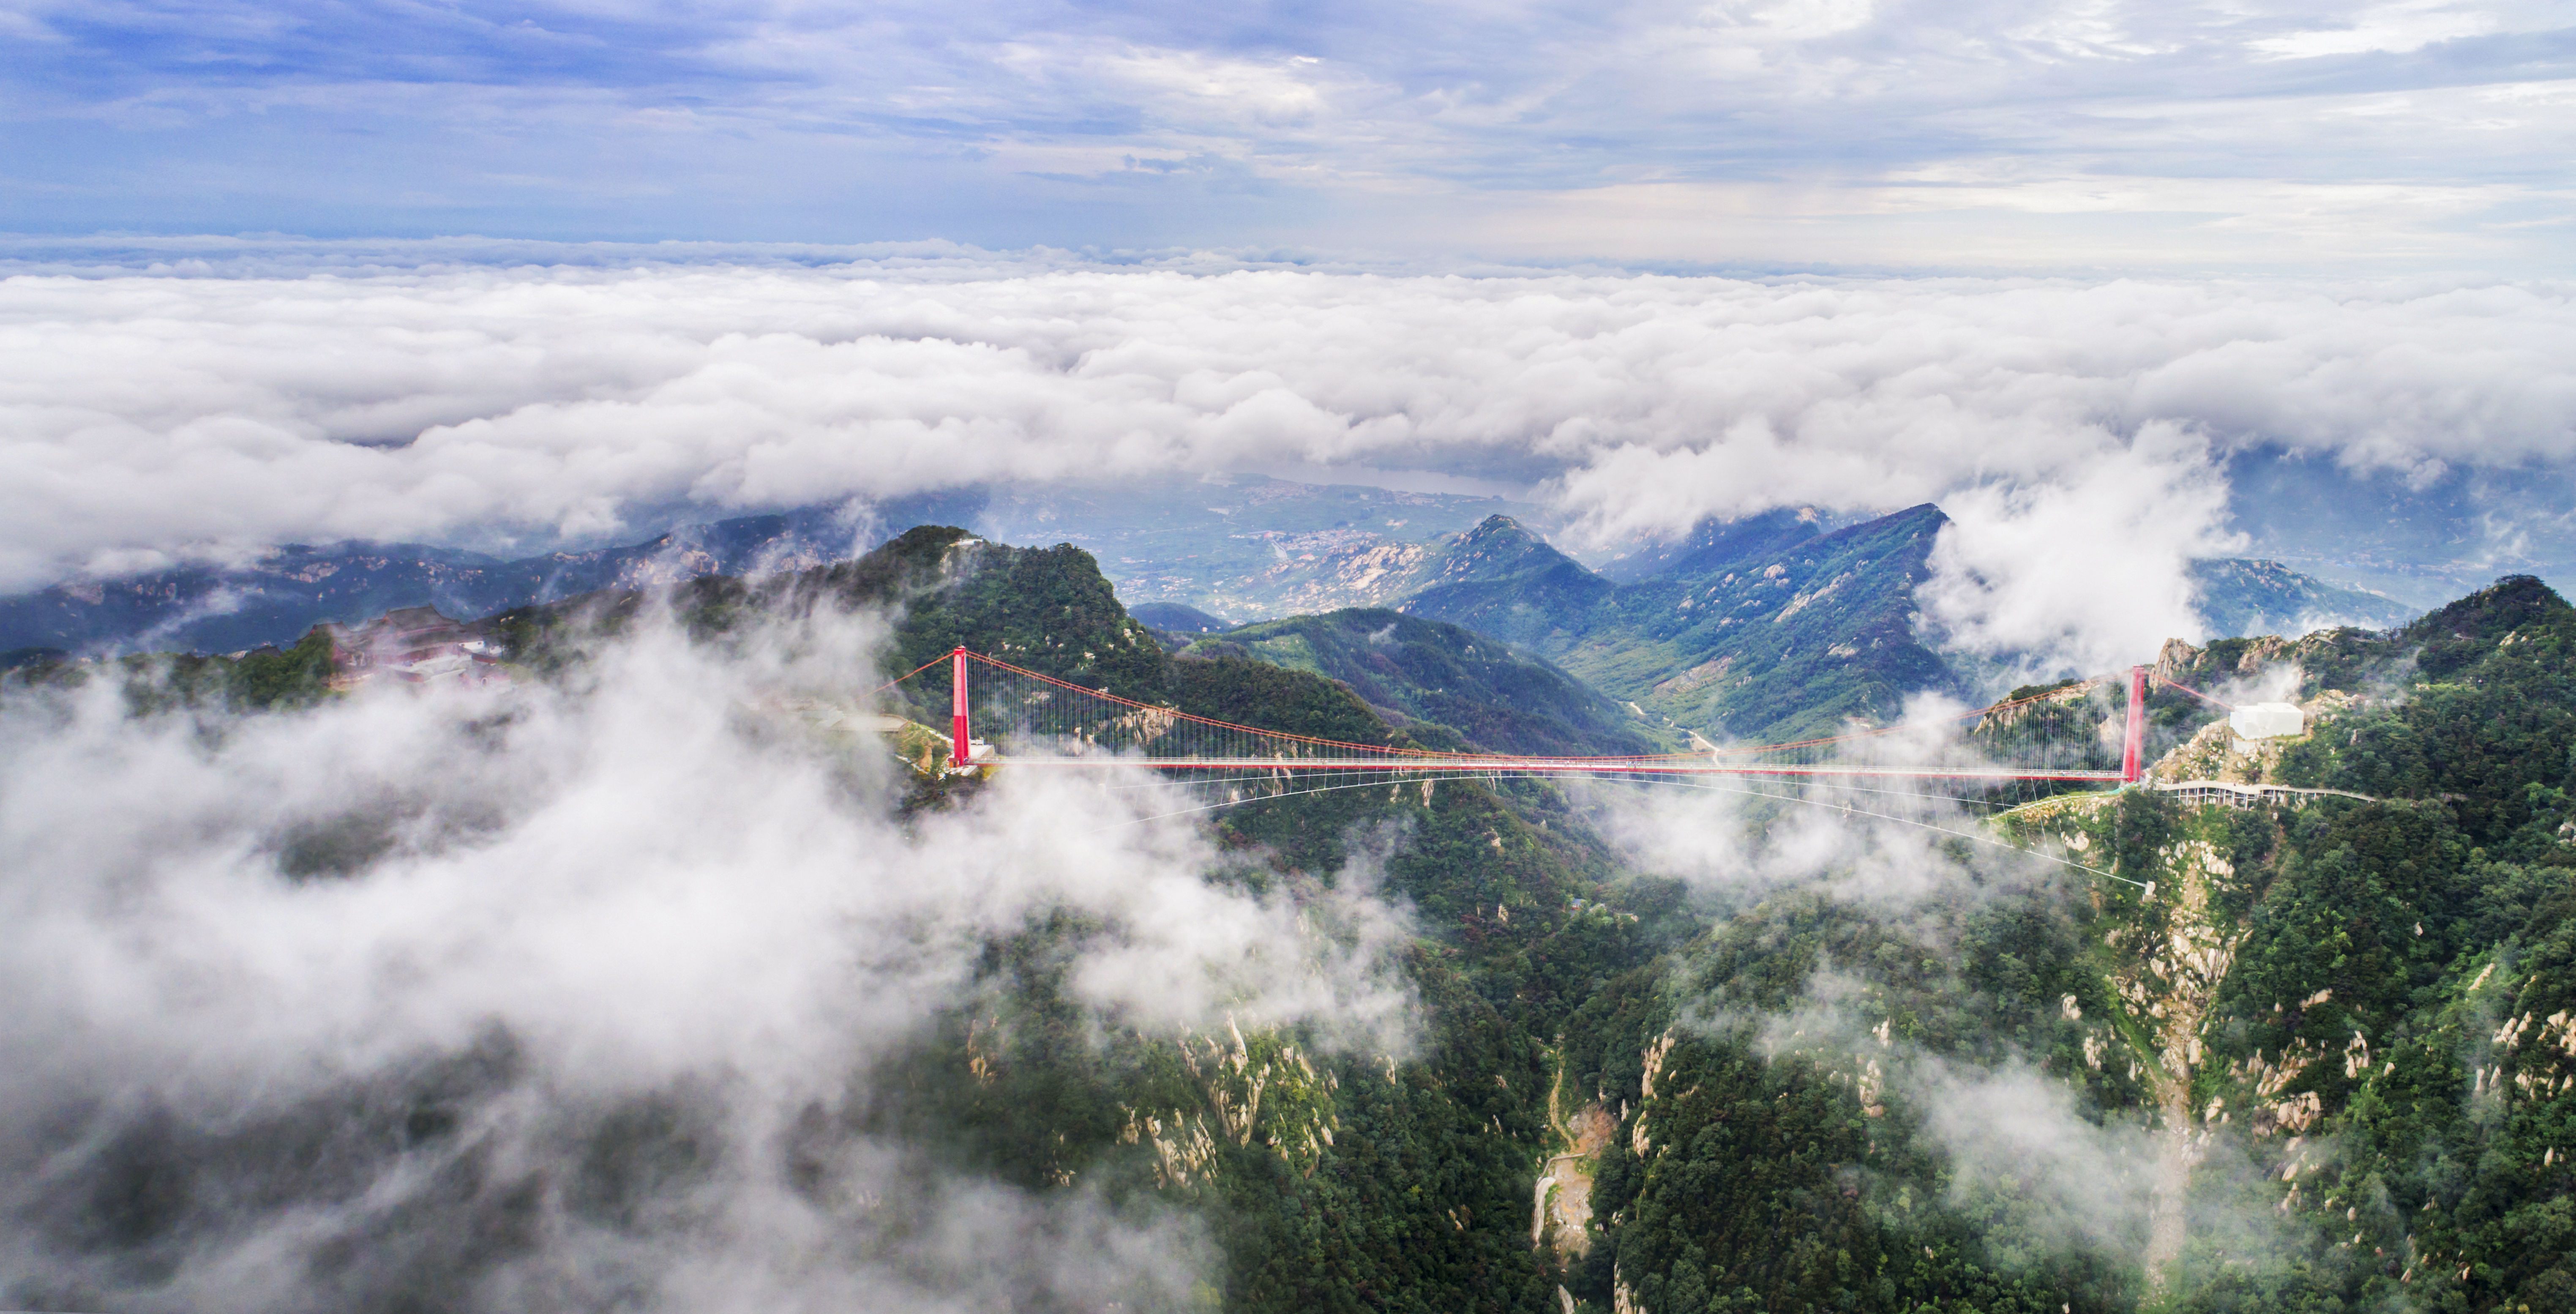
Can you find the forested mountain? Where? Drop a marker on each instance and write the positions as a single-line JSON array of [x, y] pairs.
[[2308, 1055], [1362, 1182], [1799, 632], [1500, 579], [2309, 1060], [1773, 626], [1245, 545], [2335, 1028]]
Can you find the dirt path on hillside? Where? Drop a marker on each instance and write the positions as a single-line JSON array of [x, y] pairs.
[[1562, 1198]]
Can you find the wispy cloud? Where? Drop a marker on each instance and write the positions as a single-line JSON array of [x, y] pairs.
[[1408, 128]]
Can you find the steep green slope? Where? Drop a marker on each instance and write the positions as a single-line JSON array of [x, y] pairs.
[[2402, 973], [1424, 670], [1382, 1184], [1779, 647], [1761, 1167], [1047, 609], [2315, 1059]]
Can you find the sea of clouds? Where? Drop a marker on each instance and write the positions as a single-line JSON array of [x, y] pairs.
[[2074, 430]]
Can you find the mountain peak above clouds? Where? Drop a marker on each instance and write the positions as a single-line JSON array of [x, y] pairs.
[[1783, 622], [2239, 597]]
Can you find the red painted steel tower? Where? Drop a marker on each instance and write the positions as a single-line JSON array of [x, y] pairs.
[[960, 746], [2131, 769]]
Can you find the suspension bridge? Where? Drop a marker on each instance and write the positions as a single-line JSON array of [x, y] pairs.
[[1002, 715]]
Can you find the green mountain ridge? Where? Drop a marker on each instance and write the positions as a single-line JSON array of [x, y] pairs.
[[1780, 643], [1730, 1171], [2328, 1039], [1771, 627], [1408, 668]]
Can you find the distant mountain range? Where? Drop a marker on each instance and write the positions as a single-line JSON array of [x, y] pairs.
[[2240, 598], [1241, 547], [1773, 624], [1776, 625], [1244, 547], [278, 597], [2421, 537]]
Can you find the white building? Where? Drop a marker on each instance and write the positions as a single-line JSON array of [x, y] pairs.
[[2266, 720]]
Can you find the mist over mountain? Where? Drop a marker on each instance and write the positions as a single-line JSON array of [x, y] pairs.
[[1486, 1044], [1251, 547], [1250, 543], [1714, 545], [2084, 437]]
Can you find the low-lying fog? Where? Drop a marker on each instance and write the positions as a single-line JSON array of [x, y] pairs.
[[522, 998]]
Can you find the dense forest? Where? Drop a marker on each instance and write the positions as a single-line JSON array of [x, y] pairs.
[[2310, 1056]]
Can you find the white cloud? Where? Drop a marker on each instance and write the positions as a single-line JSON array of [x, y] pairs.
[[2042, 1172], [2085, 577], [151, 416], [648, 900], [1875, 844], [2395, 29]]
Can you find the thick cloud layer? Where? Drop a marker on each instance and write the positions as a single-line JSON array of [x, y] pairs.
[[546, 1000], [2070, 427]]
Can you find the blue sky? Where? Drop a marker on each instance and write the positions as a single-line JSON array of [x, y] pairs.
[[2246, 135]]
